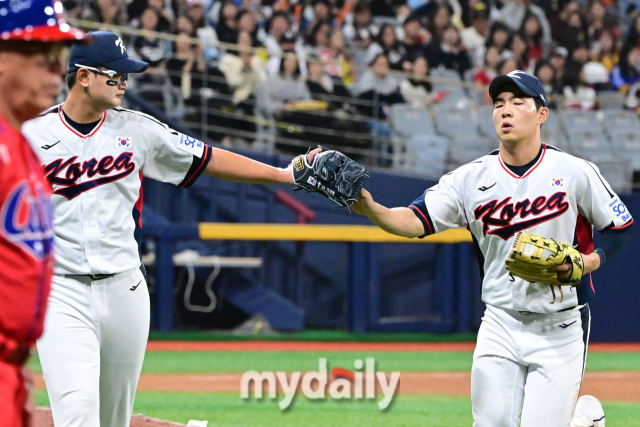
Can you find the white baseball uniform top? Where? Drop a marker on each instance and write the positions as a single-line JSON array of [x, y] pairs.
[[560, 197], [97, 183]]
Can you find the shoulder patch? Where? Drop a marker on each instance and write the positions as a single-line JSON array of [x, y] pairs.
[[618, 212], [190, 145]]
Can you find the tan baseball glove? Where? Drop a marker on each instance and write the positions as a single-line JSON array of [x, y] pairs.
[[534, 258]]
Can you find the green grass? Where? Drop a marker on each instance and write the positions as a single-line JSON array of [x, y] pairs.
[[326, 335], [413, 361], [229, 410]]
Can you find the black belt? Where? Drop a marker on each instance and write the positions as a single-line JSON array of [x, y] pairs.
[[91, 276], [526, 313]]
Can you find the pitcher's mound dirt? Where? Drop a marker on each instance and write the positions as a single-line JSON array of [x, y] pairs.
[[44, 419]]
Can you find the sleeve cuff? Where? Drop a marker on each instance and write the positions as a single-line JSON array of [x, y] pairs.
[[198, 166], [425, 219]]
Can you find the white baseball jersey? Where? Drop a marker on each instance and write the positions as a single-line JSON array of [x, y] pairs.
[[560, 197], [96, 180]]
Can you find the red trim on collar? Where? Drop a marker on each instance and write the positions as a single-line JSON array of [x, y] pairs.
[[104, 116], [544, 150]]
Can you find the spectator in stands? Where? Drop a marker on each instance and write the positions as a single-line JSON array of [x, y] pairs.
[[483, 76], [520, 51], [279, 39], [195, 12], [227, 28], [387, 44], [185, 68], [322, 87], [605, 50], [165, 17], [362, 30], [580, 54], [416, 90], [577, 93], [514, 12], [599, 21], [319, 12], [558, 60], [415, 38], [632, 38], [150, 49], [287, 86], [243, 71], [378, 86], [506, 66], [545, 72], [474, 36], [532, 32], [246, 22], [318, 38], [183, 25], [627, 71], [335, 59], [439, 21], [383, 8], [498, 37], [106, 12], [450, 52], [575, 33], [559, 21]]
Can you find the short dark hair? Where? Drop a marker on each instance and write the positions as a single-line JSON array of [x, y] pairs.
[[538, 103], [70, 79]]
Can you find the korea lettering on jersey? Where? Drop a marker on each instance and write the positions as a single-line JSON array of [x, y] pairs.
[[96, 180], [560, 197]]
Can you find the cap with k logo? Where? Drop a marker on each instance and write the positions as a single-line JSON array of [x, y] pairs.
[[106, 49]]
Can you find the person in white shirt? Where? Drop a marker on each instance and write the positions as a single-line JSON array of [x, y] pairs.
[[531, 351], [95, 154]]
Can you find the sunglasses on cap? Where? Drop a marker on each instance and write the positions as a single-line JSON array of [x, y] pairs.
[[111, 75]]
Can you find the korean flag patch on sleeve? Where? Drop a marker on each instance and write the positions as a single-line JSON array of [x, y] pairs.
[[190, 145], [617, 211]]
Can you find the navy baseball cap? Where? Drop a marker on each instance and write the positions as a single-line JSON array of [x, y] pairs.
[[35, 20], [529, 84], [106, 49]]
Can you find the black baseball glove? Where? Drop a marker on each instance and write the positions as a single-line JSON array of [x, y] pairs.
[[331, 174]]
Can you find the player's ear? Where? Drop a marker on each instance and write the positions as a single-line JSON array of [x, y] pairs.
[[543, 113], [82, 77]]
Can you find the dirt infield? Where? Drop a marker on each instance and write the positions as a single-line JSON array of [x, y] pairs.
[[610, 386], [345, 346], [43, 419]]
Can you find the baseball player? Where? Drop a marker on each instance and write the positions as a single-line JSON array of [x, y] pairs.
[[31, 67], [94, 155], [531, 349]]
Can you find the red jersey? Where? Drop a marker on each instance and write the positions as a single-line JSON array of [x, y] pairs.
[[26, 242]]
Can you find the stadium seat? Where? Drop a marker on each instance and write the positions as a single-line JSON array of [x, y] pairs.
[[465, 150], [485, 120], [426, 154], [616, 121], [616, 170], [408, 120], [578, 120], [611, 100], [443, 74], [582, 142], [455, 122]]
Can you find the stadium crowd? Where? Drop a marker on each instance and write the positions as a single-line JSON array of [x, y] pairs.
[[358, 57]]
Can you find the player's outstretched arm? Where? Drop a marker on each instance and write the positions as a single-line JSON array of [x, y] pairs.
[[234, 167], [400, 221]]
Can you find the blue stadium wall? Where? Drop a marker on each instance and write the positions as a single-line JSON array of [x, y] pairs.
[[408, 295]]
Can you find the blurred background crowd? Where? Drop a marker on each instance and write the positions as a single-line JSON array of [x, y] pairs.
[[278, 74]]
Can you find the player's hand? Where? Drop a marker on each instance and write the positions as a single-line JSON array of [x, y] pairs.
[[288, 171], [563, 270], [364, 203]]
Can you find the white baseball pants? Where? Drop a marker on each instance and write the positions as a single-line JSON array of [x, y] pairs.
[[528, 368], [92, 349]]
